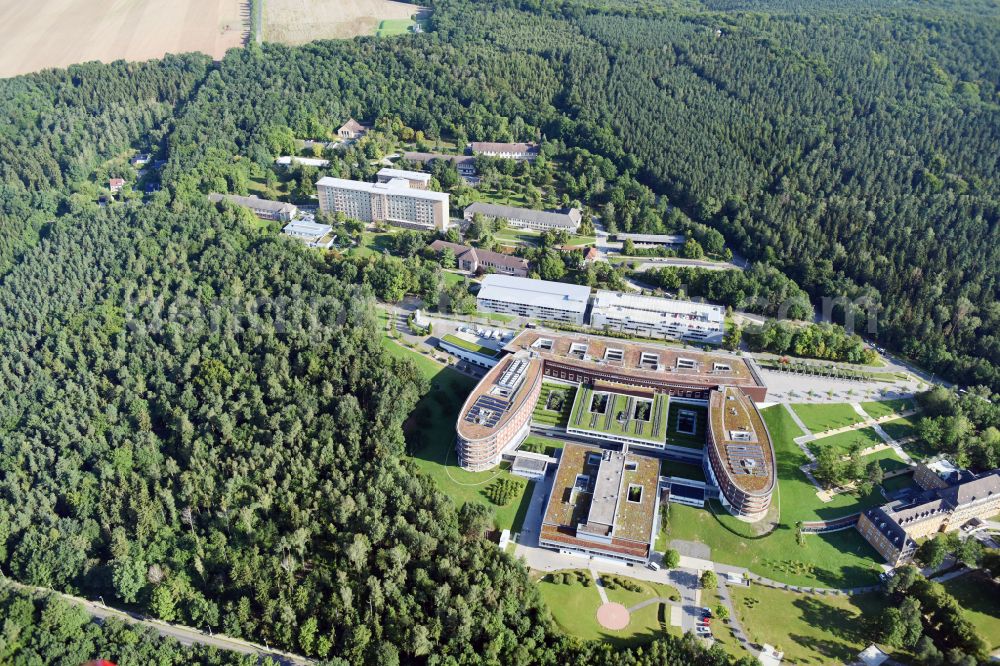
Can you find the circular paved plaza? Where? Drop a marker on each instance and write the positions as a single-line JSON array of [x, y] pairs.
[[612, 616]]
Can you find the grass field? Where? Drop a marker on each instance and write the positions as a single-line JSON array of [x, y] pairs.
[[450, 278], [59, 33], [809, 629], [393, 27], [888, 460], [301, 21], [844, 441], [546, 416], [881, 408], [649, 590], [533, 238], [436, 456], [574, 609], [721, 632], [819, 418], [683, 470], [691, 441], [836, 559], [900, 428], [979, 598], [899, 483]]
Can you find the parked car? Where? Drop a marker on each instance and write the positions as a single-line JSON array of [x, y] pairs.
[[654, 566]]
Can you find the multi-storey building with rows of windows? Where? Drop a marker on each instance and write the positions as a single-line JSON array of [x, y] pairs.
[[655, 317], [393, 201], [539, 299]]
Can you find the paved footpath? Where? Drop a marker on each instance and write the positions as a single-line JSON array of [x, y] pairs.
[[599, 582], [806, 436], [734, 621]]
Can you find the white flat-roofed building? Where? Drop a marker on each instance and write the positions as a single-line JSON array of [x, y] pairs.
[[311, 233], [288, 160], [539, 299], [650, 240], [528, 218], [656, 317], [417, 180], [393, 201]]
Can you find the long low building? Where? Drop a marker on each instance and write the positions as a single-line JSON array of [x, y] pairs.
[[652, 240], [311, 233], [465, 164], [603, 503], [539, 299], [289, 160], [509, 151], [265, 209], [652, 316], [681, 373], [474, 259], [527, 218], [393, 201]]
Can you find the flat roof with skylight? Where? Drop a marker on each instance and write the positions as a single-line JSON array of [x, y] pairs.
[[602, 502]]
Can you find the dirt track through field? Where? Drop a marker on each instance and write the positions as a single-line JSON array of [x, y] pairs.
[[57, 33], [301, 21]]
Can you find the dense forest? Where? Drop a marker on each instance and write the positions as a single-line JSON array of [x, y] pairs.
[[47, 630], [855, 150], [198, 418]]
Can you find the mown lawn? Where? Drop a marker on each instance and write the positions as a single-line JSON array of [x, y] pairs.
[[881, 408], [683, 470], [979, 598], [691, 441], [837, 559], [819, 418], [899, 428], [721, 632], [888, 460], [432, 441], [393, 27], [574, 609], [843, 442], [897, 483], [809, 629], [628, 598]]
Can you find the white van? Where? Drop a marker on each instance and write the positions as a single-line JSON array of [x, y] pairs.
[[654, 566]]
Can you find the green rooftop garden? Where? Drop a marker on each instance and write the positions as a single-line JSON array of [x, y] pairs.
[[620, 415], [469, 346]]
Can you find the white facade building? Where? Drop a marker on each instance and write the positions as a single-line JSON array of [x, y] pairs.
[[288, 160], [393, 201], [527, 218], [538, 299], [658, 317], [311, 233]]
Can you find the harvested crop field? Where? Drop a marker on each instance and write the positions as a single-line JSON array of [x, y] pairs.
[[58, 33], [301, 21]]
